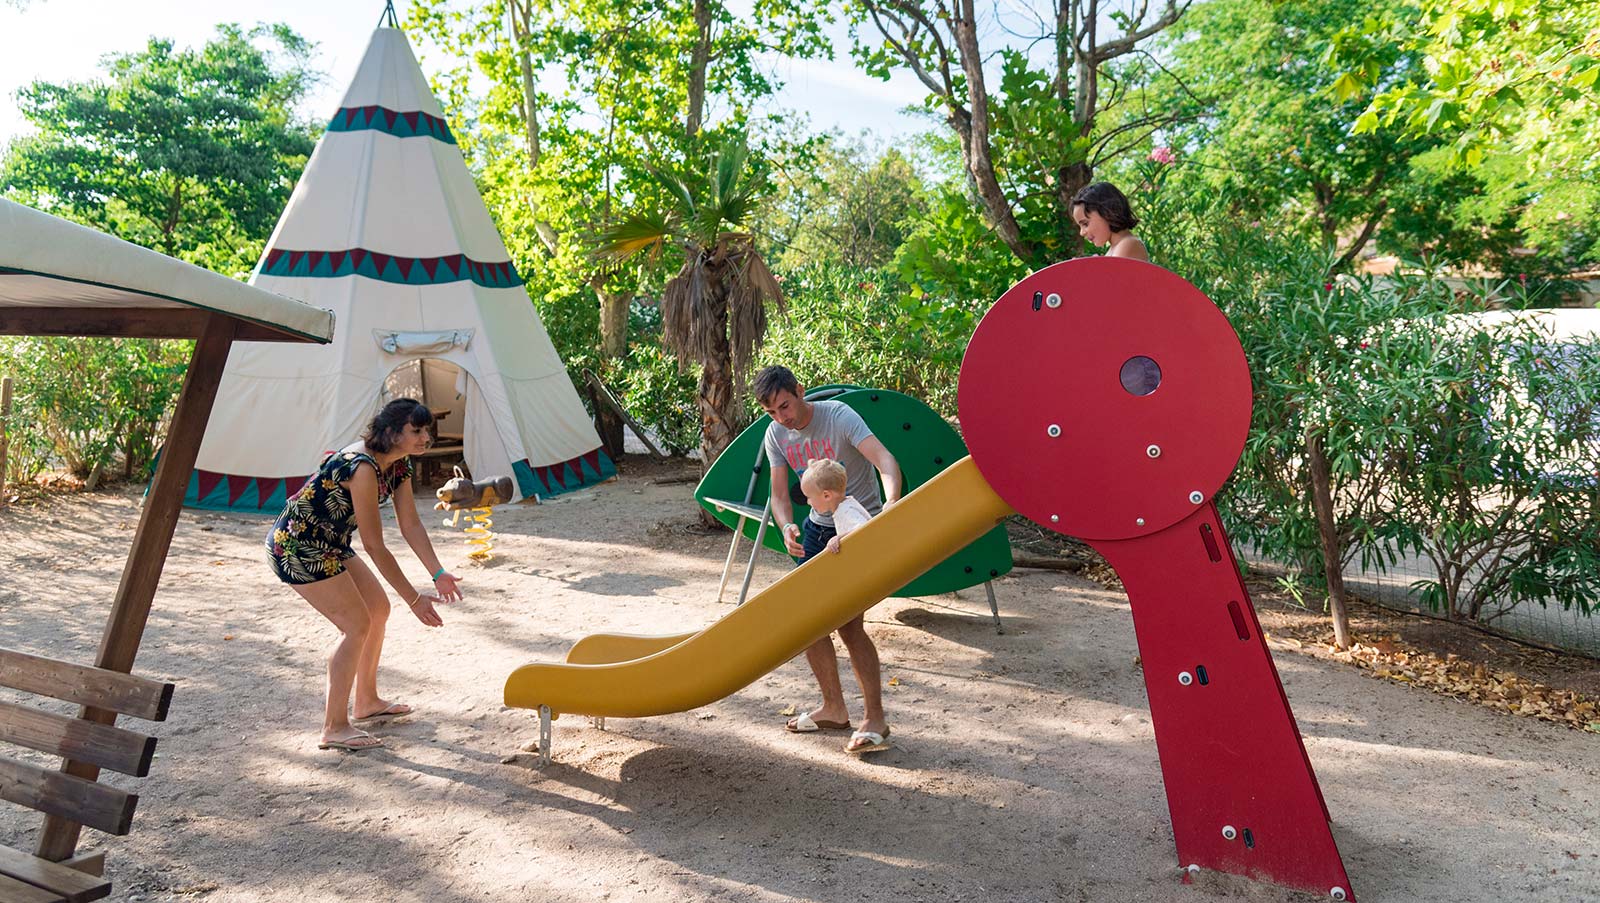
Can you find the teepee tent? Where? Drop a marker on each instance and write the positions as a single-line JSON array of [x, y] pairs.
[[386, 228]]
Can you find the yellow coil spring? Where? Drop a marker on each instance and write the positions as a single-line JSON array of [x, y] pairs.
[[479, 530]]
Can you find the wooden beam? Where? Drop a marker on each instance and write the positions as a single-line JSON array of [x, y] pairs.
[[129, 323], [114, 691], [84, 802], [75, 738], [131, 607], [14, 891], [68, 883]]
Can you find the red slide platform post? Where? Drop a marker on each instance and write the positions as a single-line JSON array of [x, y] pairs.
[[1109, 399]]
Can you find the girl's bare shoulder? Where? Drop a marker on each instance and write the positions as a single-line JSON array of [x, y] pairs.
[[1130, 246]]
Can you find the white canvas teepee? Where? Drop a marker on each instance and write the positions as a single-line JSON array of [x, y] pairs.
[[387, 230]]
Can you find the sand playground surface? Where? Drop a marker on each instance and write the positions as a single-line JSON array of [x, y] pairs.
[[1024, 766]]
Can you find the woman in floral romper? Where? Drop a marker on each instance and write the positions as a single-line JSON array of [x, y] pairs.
[[310, 550]]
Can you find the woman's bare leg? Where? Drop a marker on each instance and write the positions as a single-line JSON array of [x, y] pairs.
[[367, 701], [338, 600]]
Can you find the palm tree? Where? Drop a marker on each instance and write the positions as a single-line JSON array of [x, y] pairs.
[[714, 310]]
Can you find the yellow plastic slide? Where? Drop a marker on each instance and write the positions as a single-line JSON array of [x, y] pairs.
[[619, 676]]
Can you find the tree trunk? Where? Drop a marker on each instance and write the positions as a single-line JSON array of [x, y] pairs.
[[613, 347], [719, 414], [613, 320], [522, 31], [975, 139], [700, 59], [1327, 530]]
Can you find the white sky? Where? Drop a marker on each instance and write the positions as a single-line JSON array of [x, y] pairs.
[[64, 40]]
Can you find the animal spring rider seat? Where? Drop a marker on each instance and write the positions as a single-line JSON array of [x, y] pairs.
[[479, 498], [1103, 398]]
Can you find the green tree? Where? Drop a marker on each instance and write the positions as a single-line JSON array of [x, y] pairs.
[[583, 97], [1512, 90], [1030, 140], [843, 202], [714, 309], [1269, 133], [191, 152]]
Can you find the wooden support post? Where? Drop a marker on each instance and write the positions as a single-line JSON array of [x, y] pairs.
[[5, 424], [131, 606]]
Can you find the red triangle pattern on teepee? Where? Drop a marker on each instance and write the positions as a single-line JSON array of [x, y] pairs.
[[315, 258], [356, 256], [411, 120], [265, 489], [593, 460], [236, 488], [430, 265], [208, 482], [336, 260], [295, 257], [380, 261]]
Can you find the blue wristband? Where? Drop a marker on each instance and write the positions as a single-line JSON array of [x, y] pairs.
[[437, 573]]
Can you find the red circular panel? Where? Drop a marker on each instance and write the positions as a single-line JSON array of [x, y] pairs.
[[1120, 457]]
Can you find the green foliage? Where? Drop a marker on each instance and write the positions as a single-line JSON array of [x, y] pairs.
[[1268, 129], [865, 327], [1509, 89], [660, 394], [192, 152], [839, 201], [952, 253], [1487, 437], [86, 404], [1468, 447]]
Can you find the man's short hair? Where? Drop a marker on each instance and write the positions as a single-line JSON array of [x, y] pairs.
[[772, 380], [825, 474]]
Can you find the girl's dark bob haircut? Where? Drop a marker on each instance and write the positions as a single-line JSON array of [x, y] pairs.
[[386, 427], [1104, 198]]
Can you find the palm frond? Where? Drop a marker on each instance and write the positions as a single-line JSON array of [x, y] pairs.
[[644, 230]]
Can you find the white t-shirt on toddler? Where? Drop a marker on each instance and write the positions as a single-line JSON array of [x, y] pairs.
[[849, 515]]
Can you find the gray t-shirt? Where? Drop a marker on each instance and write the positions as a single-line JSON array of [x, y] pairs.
[[835, 431]]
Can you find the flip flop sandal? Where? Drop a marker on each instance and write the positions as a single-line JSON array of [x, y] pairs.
[[875, 742], [802, 724], [388, 712], [351, 744]]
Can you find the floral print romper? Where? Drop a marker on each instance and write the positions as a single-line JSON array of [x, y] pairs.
[[310, 540]]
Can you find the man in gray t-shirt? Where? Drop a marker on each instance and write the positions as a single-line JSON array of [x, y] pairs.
[[802, 431], [834, 430]]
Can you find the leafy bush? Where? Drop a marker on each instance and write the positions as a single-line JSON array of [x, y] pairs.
[[866, 327], [660, 394], [1465, 446], [85, 404]]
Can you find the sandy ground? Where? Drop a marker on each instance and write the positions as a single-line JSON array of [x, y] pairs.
[[1025, 768]]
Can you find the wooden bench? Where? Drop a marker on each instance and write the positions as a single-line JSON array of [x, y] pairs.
[[91, 741]]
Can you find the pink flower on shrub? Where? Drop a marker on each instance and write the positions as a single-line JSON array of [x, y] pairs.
[[1162, 155]]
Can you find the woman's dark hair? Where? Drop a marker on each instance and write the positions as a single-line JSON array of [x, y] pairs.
[[385, 427], [1104, 198]]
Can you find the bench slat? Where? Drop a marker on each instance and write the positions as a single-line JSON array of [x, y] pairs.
[[89, 803], [85, 685], [69, 884], [77, 739], [14, 891]]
